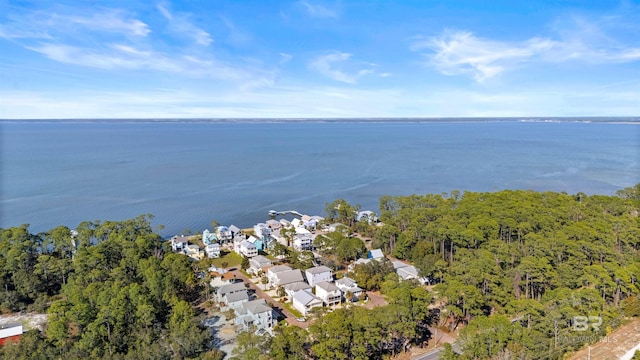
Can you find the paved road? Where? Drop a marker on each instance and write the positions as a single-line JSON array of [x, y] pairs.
[[289, 317]]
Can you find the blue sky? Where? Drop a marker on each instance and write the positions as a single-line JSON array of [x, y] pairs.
[[310, 59]]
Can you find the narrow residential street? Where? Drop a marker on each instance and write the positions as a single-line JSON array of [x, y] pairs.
[[289, 317]]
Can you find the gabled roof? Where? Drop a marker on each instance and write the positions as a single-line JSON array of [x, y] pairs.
[[375, 254], [279, 268], [260, 260], [296, 286], [247, 244], [318, 270], [327, 286], [230, 288], [408, 272], [256, 306], [234, 229], [237, 296], [346, 282], [288, 277], [397, 264], [305, 297]]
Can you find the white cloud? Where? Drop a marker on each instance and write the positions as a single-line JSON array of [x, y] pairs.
[[333, 66], [285, 58], [181, 25], [319, 11], [575, 39], [121, 56], [64, 22], [460, 52]]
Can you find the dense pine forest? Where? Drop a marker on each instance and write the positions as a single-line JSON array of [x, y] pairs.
[[520, 274]]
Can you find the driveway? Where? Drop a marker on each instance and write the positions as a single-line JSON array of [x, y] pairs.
[[277, 306]]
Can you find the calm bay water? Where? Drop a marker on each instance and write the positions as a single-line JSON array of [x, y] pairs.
[[188, 173]]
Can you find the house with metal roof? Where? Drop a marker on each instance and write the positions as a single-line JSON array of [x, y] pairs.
[[319, 273], [329, 293], [348, 285], [255, 313], [304, 301]]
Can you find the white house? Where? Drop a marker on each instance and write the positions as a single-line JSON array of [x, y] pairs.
[[224, 234], [234, 231], [329, 293], [283, 278], [212, 250], [285, 223], [349, 285], [375, 254], [179, 243], [408, 272], [319, 273], [261, 231], [367, 215], [258, 263], [234, 300], [272, 271], [255, 313], [356, 263], [304, 301], [302, 242], [292, 288], [247, 249], [224, 290]]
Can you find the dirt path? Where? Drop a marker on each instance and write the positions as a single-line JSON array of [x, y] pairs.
[[613, 346], [289, 317], [29, 321]]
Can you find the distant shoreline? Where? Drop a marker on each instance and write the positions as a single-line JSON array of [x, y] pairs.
[[620, 120]]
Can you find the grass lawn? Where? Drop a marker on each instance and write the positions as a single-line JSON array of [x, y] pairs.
[[290, 307], [231, 258]]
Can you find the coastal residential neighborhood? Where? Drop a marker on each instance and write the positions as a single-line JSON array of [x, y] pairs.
[[269, 289]]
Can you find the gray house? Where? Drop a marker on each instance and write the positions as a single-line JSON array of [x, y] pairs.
[[255, 313]]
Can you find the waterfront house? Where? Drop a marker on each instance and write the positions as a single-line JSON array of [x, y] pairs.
[[224, 234], [212, 250], [348, 285], [329, 293], [234, 231], [194, 252], [208, 237], [261, 231], [319, 273], [366, 215], [304, 301], [179, 243], [255, 313], [274, 225], [258, 263], [285, 223]]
